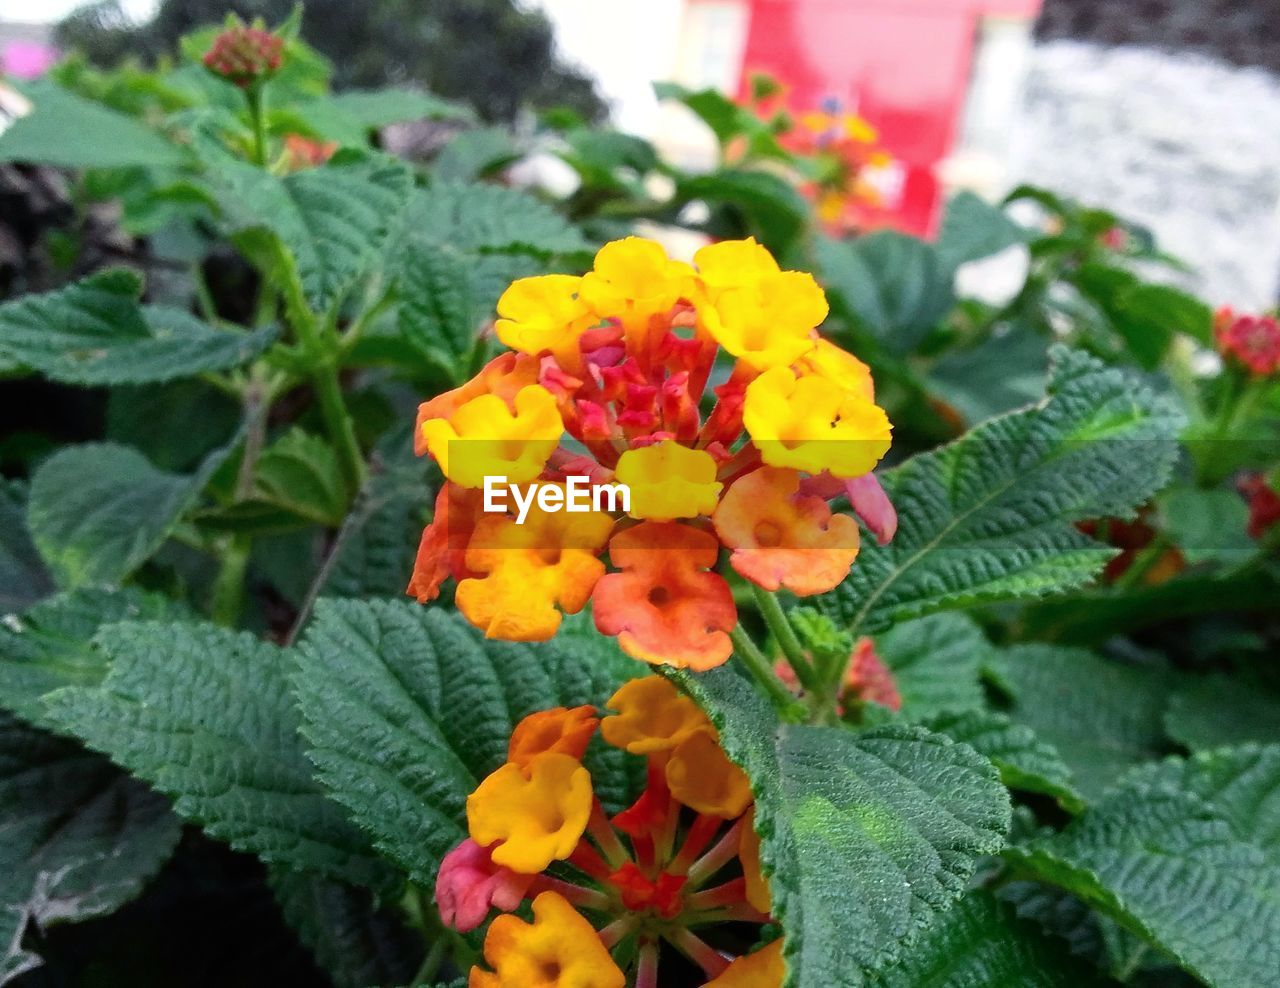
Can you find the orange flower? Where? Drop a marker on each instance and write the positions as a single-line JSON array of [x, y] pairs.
[[545, 315], [564, 730], [525, 571], [559, 949], [504, 376], [652, 716], [758, 893], [763, 969], [700, 775], [633, 281], [781, 538], [535, 813], [664, 606], [443, 548]]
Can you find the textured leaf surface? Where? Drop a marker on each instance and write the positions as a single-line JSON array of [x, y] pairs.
[[300, 473], [439, 313], [354, 942], [103, 138], [973, 229], [95, 332], [991, 516], [486, 218], [374, 556], [936, 663], [1102, 717], [334, 220], [50, 645], [23, 577], [980, 943], [1215, 711], [78, 837], [1188, 854], [893, 286], [1025, 762], [204, 714], [98, 511], [407, 708], [866, 837]]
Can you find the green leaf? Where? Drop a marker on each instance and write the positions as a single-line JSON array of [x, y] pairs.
[[438, 312], [771, 206], [66, 130], [174, 425], [300, 473], [1102, 716], [865, 837], [205, 715], [23, 578], [981, 943], [998, 375], [473, 154], [50, 646], [98, 511], [348, 117], [381, 685], [1187, 854], [354, 942], [488, 219], [936, 664], [78, 838], [726, 118], [375, 552], [333, 220], [1207, 526], [991, 516], [972, 229], [896, 287], [95, 332], [1025, 761], [1218, 710]]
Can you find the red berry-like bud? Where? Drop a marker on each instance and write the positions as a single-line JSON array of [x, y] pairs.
[[243, 55], [1253, 341]]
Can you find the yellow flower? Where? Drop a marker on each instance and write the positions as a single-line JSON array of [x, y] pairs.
[[702, 777], [763, 969], [752, 308], [535, 814], [526, 571], [733, 264], [769, 324], [652, 716], [839, 367], [758, 893], [483, 437], [669, 481], [544, 314], [559, 949], [632, 281], [812, 424]]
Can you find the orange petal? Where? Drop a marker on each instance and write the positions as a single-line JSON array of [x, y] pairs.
[[652, 716], [503, 376], [558, 949], [664, 606], [564, 730], [781, 538]]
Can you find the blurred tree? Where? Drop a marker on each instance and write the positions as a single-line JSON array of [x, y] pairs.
[[487, 52]]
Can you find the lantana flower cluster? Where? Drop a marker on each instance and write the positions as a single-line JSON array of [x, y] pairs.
[[847, 146], [673, 880], [1252, 341], [609, 376], [244, 54]]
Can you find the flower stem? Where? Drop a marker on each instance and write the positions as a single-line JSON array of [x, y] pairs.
[[780, 626], [257, 97], [759, 667]]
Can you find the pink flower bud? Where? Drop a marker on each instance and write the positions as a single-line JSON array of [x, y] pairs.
[[469, 884]]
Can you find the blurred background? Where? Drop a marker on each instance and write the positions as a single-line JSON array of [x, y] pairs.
[[1166, 111]]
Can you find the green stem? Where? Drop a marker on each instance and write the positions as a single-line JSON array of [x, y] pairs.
[[431, 963], [228, 585], [785, 635], [257, 97], [760, 669], [321, 345]]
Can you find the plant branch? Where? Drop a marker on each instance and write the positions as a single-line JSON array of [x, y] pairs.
[[785, 635], [751, 656]]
